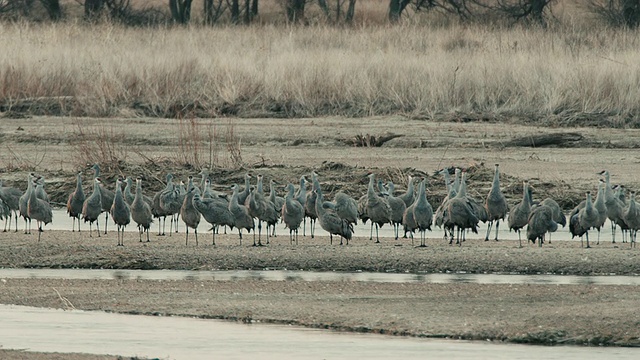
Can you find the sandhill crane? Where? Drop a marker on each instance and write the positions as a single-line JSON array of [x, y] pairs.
[[292, 213], [613, 204], [141, 211], [23, 201], [310, 205], [599, 204], [423, 213], [39, 189], [301, 197], [459, 214], [409, 196], [120, 212], [398, 207], [106, 197], [378, 209], [632, 219], [172, 202], [346, 207], [190, 215], [216, 211], [583, 219], [241, 217], [92, 207], [541, 220], [204, 173], [129, 196], [451, 193], [278, 201], [330, 221], [39, 210], [11, 197], [5, 212], [242, 197], [75, 202], [262, 209], [519, 214], [157, 210], [557, 214], [495, 204], [478, 208]]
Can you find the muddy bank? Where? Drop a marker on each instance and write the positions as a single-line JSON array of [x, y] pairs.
[[64, 249], [24, 355]]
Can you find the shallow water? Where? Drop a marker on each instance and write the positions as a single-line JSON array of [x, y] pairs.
[[49, 330], [62, 221], [288, 275]]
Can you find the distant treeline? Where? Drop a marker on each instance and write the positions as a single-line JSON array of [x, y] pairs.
[[618, 13]]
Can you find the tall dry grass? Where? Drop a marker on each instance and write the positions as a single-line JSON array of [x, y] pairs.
[[314, 71]]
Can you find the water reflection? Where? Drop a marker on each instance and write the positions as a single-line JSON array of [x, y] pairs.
[[291, 275]]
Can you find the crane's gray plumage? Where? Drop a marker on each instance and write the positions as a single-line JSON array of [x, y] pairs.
[[614, 206], [478, 208], [495, 204], [23, 201], [519, 215], [216, 211], [632, 219], [409, 196], [189, 214], [11, 198], [120, 212], [241, 217], [106, 197], [377, 208], [262, 209], [40, 192], [421, 214], [583, 219], [242, 196], [278, 202], [459, 214], [141, 211], [330, 221], [75, 202], [346, 207], [310, 205], [157, 210], [92, 207], [558, 216], [292, 213], [39, 210], [398, 207], [541, 220], [171, 202]]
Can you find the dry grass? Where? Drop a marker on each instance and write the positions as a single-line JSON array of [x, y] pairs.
[[314, 71]]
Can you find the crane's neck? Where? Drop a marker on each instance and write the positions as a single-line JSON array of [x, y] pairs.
[[79, 183], [422, 194], [495, 187]]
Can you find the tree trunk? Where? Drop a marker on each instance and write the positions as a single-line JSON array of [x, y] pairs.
[[180, 10], [537, 11], [247, 11], [235, 11], [351, 10], [295, 10], [325, 8], [93, 8], [53, 9], [254, 8], [396, 7], [631, 13]]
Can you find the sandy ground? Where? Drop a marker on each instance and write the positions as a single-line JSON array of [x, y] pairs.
[[22, 355], [287, 148]]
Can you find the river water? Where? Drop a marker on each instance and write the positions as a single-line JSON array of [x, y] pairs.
[[289, 275], [50, 330]]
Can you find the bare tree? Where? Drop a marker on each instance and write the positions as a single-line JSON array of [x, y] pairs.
[[93, 9], [180, 10], [295, 10], [53, 9], [617, 12], [213, 9], [518, 10]]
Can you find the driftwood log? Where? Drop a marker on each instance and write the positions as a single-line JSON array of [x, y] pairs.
[[554, 139]]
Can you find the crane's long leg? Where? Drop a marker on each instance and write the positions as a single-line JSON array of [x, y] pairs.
[[214, 236], [377, 234], [497, 226], [613, 232], [587, 235], [98, 226], [312, 227], [486, 238], [106, 221], [519, 239]]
